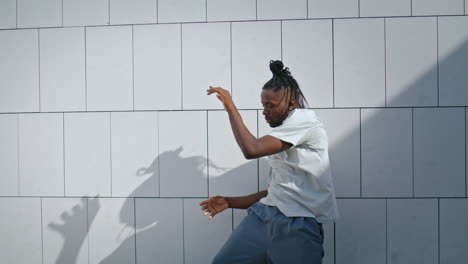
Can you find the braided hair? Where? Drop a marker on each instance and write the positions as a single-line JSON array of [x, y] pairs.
[[283, 80]]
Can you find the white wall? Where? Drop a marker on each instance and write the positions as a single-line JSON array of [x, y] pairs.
[[108, 141]]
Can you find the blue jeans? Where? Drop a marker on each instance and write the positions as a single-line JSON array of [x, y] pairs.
[[268, 236]]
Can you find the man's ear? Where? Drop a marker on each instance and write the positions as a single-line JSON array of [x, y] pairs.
[[292, 104]]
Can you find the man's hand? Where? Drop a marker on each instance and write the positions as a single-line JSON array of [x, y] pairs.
[[214, 206], [224, 96]]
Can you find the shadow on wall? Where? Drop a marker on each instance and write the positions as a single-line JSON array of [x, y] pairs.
[[451, 75], [74, 241]]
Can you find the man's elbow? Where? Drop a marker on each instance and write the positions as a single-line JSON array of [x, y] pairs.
[[249, 156]]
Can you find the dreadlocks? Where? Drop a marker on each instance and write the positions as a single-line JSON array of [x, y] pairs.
[[283, 80]]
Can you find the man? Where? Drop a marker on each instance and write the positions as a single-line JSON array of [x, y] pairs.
[[284, 223]]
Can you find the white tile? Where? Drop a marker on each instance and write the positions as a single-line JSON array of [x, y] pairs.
[[307, 51], [181, 11], [360, 232], [182, 155], [159, 235], [65, 230], [215, 67], [254, 44], [21, 230], [41, 163], [343, 130], [19, 71], [439, 165], [333, 8], [411, 52], [227, 10], [278, 9], [133, 12], [85, 12], [329, 243], [380, 8], [87, 154], [112, 233], [238, 216], [157, 62], [45, 13], [9, 155], [62, 52], [359, 62], [134, 140], [437, 7], [387, 165], [263, 166], [453, 59], [412, 231], [204, 237], [453, 230], [109, 68], [230, 174], [8, 14]]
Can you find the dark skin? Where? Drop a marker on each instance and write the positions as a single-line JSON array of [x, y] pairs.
[[276, 108]]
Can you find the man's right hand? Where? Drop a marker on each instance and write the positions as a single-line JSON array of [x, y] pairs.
[[214, 206]]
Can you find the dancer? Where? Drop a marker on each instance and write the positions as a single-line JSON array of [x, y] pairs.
[[283, 223]]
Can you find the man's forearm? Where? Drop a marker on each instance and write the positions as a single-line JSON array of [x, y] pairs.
[[243, 136], [244, 202]]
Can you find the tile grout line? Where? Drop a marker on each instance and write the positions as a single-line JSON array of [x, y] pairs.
[[63, 150], [183, 229], [110, 144], [133, 67], [62, 13], [333, 60], [466, 157], [39, 64], [157, 11], [234, 21], [281, 38], [86, 71], [411, 8], [108, 11], [256, 9], [360, 152], [241, 109], [438, 229], [207, 156], [42, 232], [385, 60], [437, 61], [412, 146], [18, 154], [359, 8], [230, 42], [386, 231], [206, 10], [158, 151], [334, 242], [135, 228], [258, 159], [181, 72], [87, 223], [307, 8]]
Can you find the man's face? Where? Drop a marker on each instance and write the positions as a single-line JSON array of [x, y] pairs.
[[275, 107]]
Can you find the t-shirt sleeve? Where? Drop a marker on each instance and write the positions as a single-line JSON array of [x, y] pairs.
[[296, 134]]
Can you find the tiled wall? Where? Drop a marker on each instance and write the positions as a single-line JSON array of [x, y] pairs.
[[109, 142]]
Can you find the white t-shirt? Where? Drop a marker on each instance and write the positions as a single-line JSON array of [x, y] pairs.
[[300, 177]]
